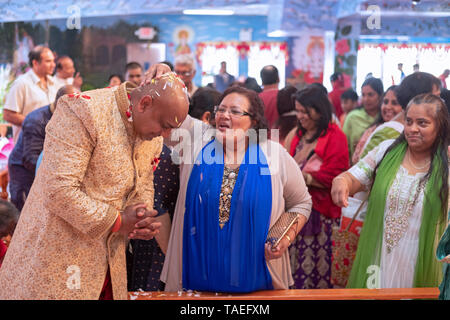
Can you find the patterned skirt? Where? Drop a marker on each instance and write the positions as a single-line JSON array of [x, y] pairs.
[[310, 253]]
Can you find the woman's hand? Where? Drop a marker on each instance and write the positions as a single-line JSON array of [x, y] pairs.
[[276, 252], [155, 71], [340, 191]]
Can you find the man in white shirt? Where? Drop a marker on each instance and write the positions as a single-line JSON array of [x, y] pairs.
[[65, 71], [34, 89]]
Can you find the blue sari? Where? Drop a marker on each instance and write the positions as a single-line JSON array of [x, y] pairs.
[[230, 259]]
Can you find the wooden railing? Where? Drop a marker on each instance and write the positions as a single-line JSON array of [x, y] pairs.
[[316, 294]]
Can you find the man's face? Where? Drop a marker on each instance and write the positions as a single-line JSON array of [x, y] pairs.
[[47, 64], [68, 69], [158, 120], [185, 72], [135, 76]]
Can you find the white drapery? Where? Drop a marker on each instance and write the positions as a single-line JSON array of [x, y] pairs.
[[382, 59], [213, 55]]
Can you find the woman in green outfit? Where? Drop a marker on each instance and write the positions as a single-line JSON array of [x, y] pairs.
[[358, 120], [408, 201]]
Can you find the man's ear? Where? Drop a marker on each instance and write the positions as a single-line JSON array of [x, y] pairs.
[[145, 103]]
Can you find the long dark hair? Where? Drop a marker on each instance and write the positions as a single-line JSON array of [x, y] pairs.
[[415, 84], [313, 97], [439, 147], [287, 119]]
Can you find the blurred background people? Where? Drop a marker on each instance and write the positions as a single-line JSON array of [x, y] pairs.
[[270, 82], [115, 80], [185, 69], [337, 82], [34, 89], [443, 77], [133, 72], [23, 159], [252, 84], [358, 120], [286, 109], [65, 73], [223, 80], [349, 102]]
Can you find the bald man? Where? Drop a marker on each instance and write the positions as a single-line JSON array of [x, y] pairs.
[[93, 190]]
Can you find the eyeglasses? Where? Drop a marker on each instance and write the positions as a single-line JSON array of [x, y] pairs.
[[184, 73], [235, 113]]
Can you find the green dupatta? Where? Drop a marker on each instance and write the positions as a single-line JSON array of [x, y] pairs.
[[428, 271]]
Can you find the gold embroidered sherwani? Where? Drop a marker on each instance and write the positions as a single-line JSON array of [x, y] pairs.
[[93, 165]]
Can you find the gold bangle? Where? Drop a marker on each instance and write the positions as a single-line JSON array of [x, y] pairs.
[[289, 238]]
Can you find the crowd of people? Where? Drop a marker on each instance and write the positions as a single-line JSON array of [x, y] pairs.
[[154, 183]]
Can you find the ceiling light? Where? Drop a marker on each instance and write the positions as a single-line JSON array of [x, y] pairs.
[[277, 34], [210, 12]]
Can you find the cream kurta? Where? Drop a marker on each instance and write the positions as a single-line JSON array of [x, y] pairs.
[[92, 166], [289, 193]]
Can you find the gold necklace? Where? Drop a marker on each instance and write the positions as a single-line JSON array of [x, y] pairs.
[[412, 164]]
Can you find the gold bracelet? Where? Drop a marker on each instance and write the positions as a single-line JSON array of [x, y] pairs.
[[289, 238]]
